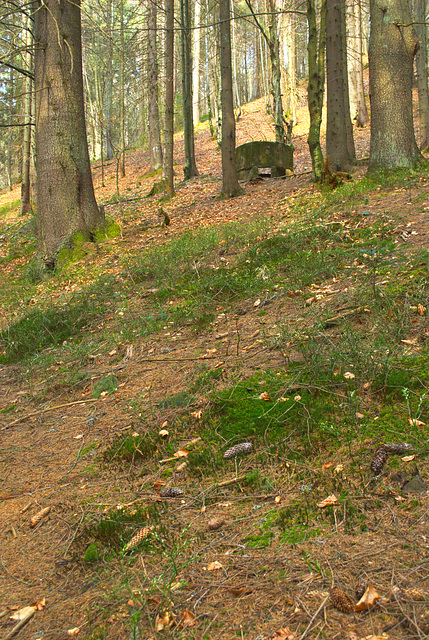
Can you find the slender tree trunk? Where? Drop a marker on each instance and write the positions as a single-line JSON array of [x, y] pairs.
[[109, 81], [362, 112], [168, 174], [339, 148], [122, 94], [230, 186], [26, 143], [196, 62], [255, 91], [393, 44], [422, 71], [234, 67], [155, 148], [190, 168], [316, 81], [65, 194]]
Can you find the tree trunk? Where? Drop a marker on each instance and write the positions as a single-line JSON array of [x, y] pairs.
[[316, 81], [122, 94], [339, 147], [26, 142], [65, 194], [190, 168], [230, 186], [109, 82], [196, 62], [392, 46], [169, 99], [362, 112], [155, 149], [422, 72]]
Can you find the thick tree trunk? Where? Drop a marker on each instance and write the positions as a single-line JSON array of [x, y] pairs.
[[190, 168], [422, 72], [169, 99], [316, 81], [65, 194], [230, 186], [155, 149], [393, 44], [339, 133]]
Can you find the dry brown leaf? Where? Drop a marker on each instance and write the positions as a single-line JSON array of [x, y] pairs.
[[330, 501], [277, 499], [421, 310], [264, 396], [164, 621], [163, 433], [187, 619], [408, 458], [383, 636], [239, 591], [327, 465], [182, 453], [416, 423], [73, 632], [410, 342], [282, 634], [339, 468], [368, 600], [197, 414], [214, 566]]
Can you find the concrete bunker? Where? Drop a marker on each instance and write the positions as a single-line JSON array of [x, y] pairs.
[[259, 154]]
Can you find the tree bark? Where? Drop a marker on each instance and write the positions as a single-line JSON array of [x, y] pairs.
[[392, 46], [168, 174], [339, 132], [230, 186], [196, 62], [316, 81], [190, 168], [122, 93], [155, 149], [362, 112], [26, 142], [65, 193], [422, 72], [109, 82]]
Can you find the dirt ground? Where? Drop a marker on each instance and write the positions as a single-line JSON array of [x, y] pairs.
[[277, 592]]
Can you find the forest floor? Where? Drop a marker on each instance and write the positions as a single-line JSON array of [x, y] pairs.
[[292, 317]]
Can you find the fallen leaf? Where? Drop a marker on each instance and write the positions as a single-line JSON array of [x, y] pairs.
[[384, 636], [368, 600], [349, 375], [187, 619], [277, 499], [416, 423], [421, 310], [197, 414], [359, 416], [282, 634], [78, 437], [240, 591], [264, 396], [410, 342], [164, 621], [330, 501], [257, 302], [163, 433], [73, 632], [297, 398], [182, 453], [338, 468], [327, 465], [214, 566], [181, 467], [408, 458]]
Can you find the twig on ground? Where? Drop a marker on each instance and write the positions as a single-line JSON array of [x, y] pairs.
[[39, 411], [313, 617]]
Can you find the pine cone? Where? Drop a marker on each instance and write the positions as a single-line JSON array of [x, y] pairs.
[[360, 589], [379, 460], [216, 523], [39, 516], [244, 447], [341, 601], [397, 447], [137, 538], [171, 492]]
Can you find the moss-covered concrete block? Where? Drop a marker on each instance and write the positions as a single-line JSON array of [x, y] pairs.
[[260, 153]]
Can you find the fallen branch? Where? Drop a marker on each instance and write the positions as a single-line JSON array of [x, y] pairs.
[[313, 618], [39, 411], [29, 614]]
